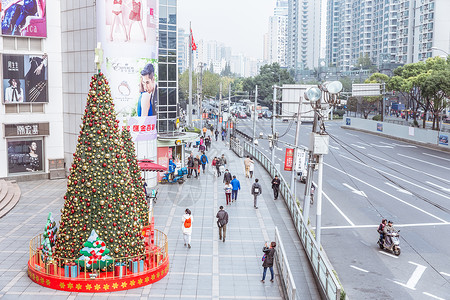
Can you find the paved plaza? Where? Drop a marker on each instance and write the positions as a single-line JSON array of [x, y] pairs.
[[211, 269]]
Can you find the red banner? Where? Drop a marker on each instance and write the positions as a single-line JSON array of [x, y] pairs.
[[220, 120], [289, 159]]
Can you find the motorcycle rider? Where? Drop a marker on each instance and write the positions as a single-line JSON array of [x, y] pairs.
[[380, 229], [388, 230]]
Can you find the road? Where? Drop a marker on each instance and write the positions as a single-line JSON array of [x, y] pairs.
[[367, 178]]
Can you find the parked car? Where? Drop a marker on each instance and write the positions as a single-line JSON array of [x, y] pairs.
[[242, 115], [267, 114]]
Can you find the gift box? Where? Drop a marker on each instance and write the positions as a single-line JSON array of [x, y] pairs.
[[71, 270], [120, 269], [51, 269], [136, 266]]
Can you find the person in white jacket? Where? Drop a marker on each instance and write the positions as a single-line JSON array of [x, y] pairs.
[[187, 227]]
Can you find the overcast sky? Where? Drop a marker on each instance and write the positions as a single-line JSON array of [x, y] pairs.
[[239, 24]]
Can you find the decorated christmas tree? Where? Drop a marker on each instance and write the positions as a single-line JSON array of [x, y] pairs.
[[95, 253], [135, 173], [99, 193], [49, 239]]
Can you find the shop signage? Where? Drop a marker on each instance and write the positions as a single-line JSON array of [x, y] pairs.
[[29, 129]]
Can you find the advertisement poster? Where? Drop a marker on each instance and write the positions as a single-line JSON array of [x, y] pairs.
[[24, 18], [142, 129], [25, 156], [127, 34], [379, 126], [25, 78], [289, 159], [130, 89], [163, 159]]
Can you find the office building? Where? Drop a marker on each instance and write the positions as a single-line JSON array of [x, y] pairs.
[[303, 42], [183, 50], [275, 41]]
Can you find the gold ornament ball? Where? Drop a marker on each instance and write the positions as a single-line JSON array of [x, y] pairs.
[[102, 202]]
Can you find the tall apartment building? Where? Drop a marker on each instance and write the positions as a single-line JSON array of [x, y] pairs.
[[303, 44], [183, 50], [387, 31], [276, 39]]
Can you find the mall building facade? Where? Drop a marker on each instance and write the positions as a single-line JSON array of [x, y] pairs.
[[48, 60]]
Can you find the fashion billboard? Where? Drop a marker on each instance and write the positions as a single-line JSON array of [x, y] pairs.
[[25, 78], [24, 18], [25, 156], [126, 31]]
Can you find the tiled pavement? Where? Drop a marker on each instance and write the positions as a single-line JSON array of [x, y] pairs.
[[211, 269]]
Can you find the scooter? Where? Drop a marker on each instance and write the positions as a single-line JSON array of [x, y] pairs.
[[394, 246], [177, 176]]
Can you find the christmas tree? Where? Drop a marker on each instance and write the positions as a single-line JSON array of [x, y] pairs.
[[94, 254], [135, 173], [49, 239], [99, 193]]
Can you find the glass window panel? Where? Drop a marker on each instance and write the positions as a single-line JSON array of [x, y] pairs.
[[162, 108], [172, 108], [172, 115], [162, 72], [173, 2], [162, 27], [172, 72], [172, 28], [162, 59], [162, 14], [162, 2], [172, 59], [172, 52], [162, 39], [162, 125], [162, 84], [173, 15], [171, 126], [162, 52], [172, 84], [172, 43], [162, 96], [172, 97], [162, 115]]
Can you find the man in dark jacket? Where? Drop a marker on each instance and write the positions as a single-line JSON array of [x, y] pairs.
[[256, 191], [275, 187], [222, 222], [269, 253], [227, 176]]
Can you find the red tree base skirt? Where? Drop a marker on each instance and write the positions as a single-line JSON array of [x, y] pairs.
[[104, 283]]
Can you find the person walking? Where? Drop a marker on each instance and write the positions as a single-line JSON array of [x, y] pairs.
[[227, 176], [222, 222], [223, 160], [190, 165], [275, 187], [216, 133], [269, 253], [224, 134], [228, 188], [256, 191], [236, 187], [204, 161], [208, 142], [218, 167], [247, 161], [251, 168], [196, 166], [186, 221]]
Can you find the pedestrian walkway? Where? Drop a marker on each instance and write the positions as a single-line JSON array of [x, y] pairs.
[[211, 269]]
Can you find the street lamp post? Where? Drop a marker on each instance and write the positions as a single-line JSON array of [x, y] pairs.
[[439, 49]]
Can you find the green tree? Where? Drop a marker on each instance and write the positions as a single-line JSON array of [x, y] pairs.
[[364, 61], [99, 193]]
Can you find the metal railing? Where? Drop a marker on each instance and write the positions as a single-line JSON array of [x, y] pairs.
[[237, 147], [153, 257], [322, 267], [283, 267]]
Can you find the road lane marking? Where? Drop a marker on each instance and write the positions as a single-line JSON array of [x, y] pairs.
[[359, 269], [438, 186], [415, 277], [435, 156], [386, 193], [433, 296], [409, 168], [423, 161], [445, 274], [338, 209], [357, 146], [390, 144], [388, 254], [332, 147], [419, 186], [375, 225], [405, 146], [351, 134], [399, 189], [360, 193], [381, 146]]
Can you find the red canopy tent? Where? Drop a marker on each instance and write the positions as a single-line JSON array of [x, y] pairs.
[[149, 165]]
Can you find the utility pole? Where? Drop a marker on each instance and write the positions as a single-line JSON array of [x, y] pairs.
[[229, 113], [189, 110], [220, 105], [297, 130], [255, 116], [201, 96], [383, 93], [274, 106]]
